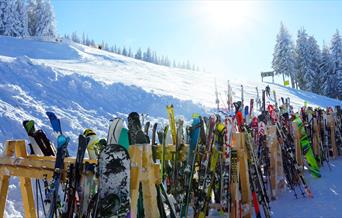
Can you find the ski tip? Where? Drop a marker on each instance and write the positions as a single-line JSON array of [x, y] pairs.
[[49, 113]]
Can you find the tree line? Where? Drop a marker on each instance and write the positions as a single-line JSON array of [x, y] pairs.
[[35, 18], [308, 66], [148, 55]]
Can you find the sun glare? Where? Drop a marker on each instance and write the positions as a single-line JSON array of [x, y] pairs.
[[225, 16]]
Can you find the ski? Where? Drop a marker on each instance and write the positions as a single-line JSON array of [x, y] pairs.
[[39, 143], [62, 143]]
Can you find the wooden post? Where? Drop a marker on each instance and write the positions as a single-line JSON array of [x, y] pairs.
[[271, 143], [18, 148], [276, 163], [135, 154], [144, 170], [149, 181], [331, 123], [25, 183], [244, 177], [4, 182]]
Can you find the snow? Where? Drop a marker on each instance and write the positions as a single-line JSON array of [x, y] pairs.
[[86, 87], [327, 198]]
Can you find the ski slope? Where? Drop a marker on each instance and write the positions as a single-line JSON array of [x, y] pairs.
[[86, 87]]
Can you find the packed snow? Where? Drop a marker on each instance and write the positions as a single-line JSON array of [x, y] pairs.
[[86, 87]]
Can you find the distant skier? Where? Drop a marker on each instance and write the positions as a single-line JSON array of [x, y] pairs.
[[268, 91]]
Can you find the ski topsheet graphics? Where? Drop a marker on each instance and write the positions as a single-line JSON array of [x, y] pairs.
[[114, 173], [307, 149], [114, 182]]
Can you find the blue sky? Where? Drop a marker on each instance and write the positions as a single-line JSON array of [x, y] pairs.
[[234, 39]]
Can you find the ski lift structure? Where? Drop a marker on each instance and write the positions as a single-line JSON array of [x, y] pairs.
[[267, 74]]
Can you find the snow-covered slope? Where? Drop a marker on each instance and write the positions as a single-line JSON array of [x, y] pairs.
[[86, 87]]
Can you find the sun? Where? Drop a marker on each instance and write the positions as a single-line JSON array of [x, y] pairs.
[[224, 16]]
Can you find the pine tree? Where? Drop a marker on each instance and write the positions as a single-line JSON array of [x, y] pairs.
[[10, 19], [326, 71], [154, 57], [283, 57], [138, 55], [83, 39], [188, 65], [336, 56], [45, 19], [167, 61], [124, 51], [32, 17], [87, 42], [312, 77], [75, 38], [302, 58], [147, 56], [16, 19], [130, 52], [3, 8]]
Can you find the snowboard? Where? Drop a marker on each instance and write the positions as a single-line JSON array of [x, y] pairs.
[[118, 133], [114, 182], [307, 149]]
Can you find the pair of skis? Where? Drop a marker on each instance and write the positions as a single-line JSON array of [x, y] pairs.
[[39, 143], [62, 143]]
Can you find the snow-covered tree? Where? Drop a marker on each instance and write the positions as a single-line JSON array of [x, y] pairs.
[[32, 17], [124, 51], [15, 19], [327, 70], [283, 56], [336, 57], [45, 19], [312, 76], [75, 37], [3, 16], [9, 19], [83, 39], [138, 55], [87, 41], [154, 57], [92, 43], [302, 58], [23, 18], [130, 54], [147, 56], [106, 47]]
